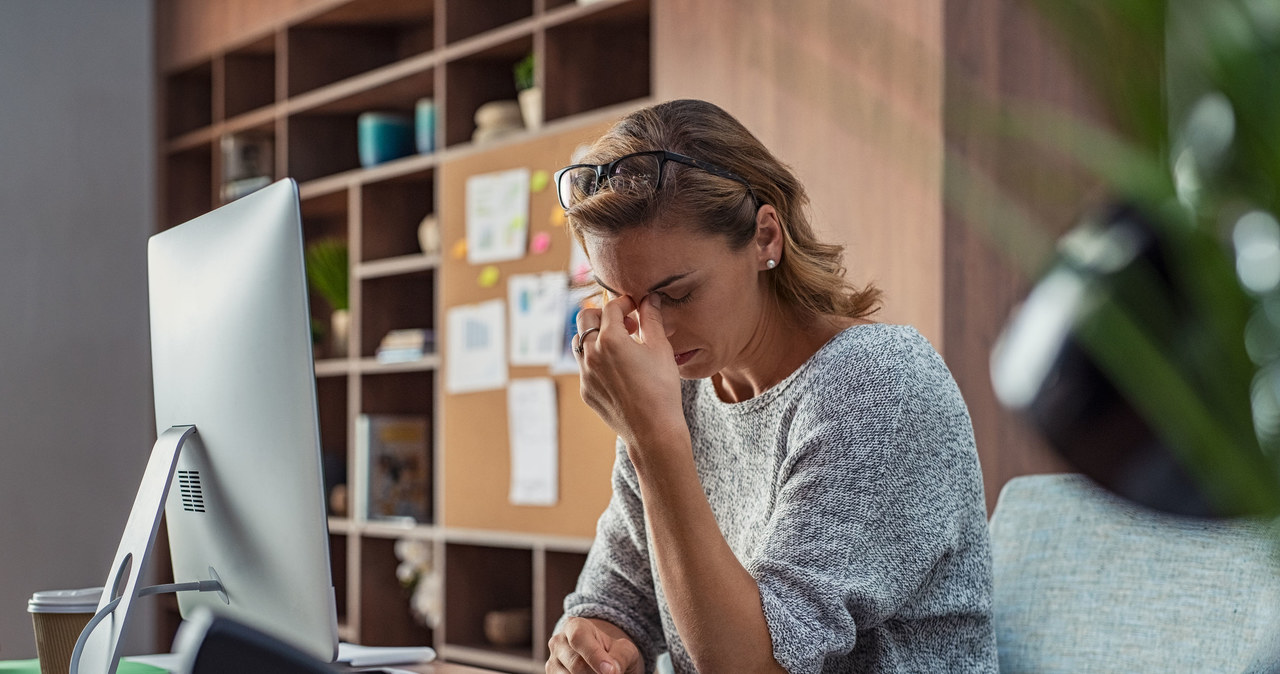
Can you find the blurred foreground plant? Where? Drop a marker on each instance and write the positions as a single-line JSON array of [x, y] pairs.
[[1172, 293]]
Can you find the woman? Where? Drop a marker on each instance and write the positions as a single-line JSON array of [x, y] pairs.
[[796, 487]]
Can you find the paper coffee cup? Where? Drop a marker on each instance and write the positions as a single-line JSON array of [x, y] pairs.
[[58, 617]]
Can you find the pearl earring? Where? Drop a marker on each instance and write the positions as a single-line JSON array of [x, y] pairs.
[[771, 264]]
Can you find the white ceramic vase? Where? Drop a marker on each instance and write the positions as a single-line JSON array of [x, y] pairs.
[[340, 331], [429, 235], [531, 107]]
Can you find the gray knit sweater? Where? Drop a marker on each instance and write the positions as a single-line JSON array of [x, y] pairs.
[[851, 492]]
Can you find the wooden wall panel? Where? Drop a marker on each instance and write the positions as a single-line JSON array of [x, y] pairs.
[[851, 93], [1001, 50], [848, 92]]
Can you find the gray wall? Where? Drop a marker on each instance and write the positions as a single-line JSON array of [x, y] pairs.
[[76, 203]]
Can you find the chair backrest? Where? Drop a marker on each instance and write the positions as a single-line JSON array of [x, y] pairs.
[[1087, 583]]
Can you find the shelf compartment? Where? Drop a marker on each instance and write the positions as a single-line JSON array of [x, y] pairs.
[[404, 394], [480, 579], [331, 404], [250, 76], [562, 571], [394, 303], [598, 59], [355, 38], [188, 179], [325, 217], [321, 145], [338, 567], [467, 18], [385, 617], [189, 100], [323, 132], [479, 78], [392, 211], [246, 156], [408, 393]]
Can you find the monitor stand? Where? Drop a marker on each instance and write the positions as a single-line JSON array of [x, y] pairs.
[[98, 650]]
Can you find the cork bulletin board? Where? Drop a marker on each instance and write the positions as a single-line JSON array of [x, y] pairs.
[[476, 453]]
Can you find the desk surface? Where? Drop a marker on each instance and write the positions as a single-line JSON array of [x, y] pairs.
[[442, 668]]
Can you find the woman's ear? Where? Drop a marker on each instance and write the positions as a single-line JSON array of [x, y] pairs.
[[768, 237]]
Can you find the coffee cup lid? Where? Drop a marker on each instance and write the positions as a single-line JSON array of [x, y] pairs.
[[84, 600]]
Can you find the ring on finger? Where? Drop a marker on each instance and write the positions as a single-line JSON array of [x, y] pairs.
[[582, 336]]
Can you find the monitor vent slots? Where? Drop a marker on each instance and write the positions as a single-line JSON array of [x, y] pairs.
[[192, 492]]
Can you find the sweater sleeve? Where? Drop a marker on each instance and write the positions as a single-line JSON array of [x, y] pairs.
[[616, 584], [867, 507]]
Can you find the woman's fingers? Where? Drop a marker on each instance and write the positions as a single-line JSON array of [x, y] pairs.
[[588, 318], [651, 327], [580, 649], [615, 313]]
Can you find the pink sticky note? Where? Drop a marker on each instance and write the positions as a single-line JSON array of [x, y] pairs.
[[541, 242]]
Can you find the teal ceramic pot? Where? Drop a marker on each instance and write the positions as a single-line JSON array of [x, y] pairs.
[[383, 136], [425, 125]]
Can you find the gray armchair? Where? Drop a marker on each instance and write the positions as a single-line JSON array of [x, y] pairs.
[[1087, 583]]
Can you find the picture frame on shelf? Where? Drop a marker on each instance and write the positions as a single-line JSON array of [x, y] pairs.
[[248, 160]]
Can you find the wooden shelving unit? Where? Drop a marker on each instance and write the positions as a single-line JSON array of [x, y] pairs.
[[303, 83]]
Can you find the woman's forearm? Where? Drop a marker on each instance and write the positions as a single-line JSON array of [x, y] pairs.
[[714, 601]]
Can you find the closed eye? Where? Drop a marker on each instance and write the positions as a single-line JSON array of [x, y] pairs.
[[667, 299]]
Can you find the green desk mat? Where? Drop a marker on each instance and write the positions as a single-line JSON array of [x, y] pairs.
[[33, 667]]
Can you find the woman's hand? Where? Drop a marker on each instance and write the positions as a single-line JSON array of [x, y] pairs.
[[587, 646], [631, 381]]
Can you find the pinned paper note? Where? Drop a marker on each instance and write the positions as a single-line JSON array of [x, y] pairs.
[[541, 243], [557, 218], [488, 277], [539, 180], [459, 249], [533, 428], [537, 315], [476, 353], [497, 216]]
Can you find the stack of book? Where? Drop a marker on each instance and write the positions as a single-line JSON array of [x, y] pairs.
[[404, 346]]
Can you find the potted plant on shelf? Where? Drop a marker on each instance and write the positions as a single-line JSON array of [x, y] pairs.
[[528, 92], [327, 273]]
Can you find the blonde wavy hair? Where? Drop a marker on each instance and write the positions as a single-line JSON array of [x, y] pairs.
[[810, 277]]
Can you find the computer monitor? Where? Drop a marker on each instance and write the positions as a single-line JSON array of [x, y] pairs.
[[231, 357]]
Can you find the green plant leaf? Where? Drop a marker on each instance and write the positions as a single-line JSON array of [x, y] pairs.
[[328, 270]]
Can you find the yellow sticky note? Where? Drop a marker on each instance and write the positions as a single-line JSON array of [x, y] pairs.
[[539, 180], [459, 250], [489, 277], [557, 217]]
